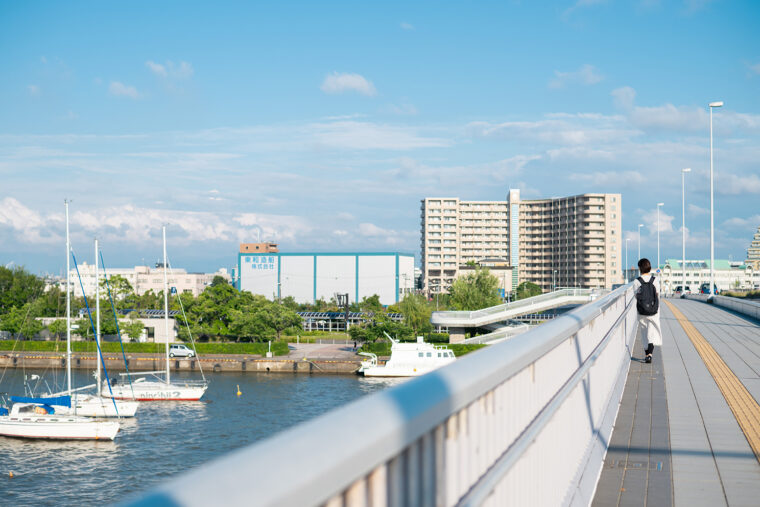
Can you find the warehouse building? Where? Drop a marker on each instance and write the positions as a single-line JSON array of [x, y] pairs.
[[308, 277]]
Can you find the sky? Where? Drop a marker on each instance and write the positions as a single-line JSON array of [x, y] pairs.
[[321, 125]]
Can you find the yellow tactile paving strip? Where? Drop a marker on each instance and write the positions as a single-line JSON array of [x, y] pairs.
[[746, 410]]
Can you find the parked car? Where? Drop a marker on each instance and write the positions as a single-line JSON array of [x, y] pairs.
[[180, 350]]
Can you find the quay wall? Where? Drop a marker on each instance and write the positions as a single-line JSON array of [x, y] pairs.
[[156, 362]]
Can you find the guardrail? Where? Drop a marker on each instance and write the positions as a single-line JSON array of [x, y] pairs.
[[523, 422], [479, 317], [748, 308]]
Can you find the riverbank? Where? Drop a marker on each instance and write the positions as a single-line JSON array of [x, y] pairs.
[[157, 362]]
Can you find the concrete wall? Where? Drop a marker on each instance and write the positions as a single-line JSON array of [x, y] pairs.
[[336, 274], [297, 277]]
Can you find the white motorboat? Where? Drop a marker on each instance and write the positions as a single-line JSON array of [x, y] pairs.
[[407, 359], [159, 389], [37, 418]]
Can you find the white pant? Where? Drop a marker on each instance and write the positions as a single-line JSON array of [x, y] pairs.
[[649, 329]]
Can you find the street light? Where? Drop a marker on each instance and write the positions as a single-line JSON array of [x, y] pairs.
[[712, 219], [625, 272], [640, 226], [683, 227], [658, 233]]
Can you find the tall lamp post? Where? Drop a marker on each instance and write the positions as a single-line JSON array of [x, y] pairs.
[[712, 218], [640, 226], [683, 228], [625, 272], [658, 233]]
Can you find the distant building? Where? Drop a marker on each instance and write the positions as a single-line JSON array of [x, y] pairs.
[[565, 241], [753, 252], [728, 275], [265, 247], [308, 277], [143, 279]]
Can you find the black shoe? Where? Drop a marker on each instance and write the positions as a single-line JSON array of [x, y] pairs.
[[648, 359]]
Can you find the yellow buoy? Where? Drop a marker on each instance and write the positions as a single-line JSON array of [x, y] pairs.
[[238, 391], [10, 474]]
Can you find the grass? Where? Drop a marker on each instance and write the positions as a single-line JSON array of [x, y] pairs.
[[278, 348], [384, 348]]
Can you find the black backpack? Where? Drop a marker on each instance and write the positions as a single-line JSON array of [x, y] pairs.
[[647, 302]]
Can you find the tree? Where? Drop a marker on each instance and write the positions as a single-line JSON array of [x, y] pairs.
[[278, 318], [120, 287], [416, 311], [474, 291], [18, 287], [371, 304], [527, 290], [57, 328], [133, 328], [219, 280], [21, 320]]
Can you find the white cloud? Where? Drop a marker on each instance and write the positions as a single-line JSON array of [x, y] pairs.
[[679, 118], [370, 136], [156, 68], [650, 222], [183, 70], [616, 178], [347, 82], [402, 109], [121, 90], [556, 131], [585, 75], [580, 4], [733, 184], [33, 89], [340, 232], [407, 26], [697, 210], [755, 68], [751, 222]]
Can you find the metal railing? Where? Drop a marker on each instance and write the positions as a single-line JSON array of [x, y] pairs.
[[523, 422], [745, 307], [476, 316]]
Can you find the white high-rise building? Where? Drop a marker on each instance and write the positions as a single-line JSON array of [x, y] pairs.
[[559, 242]]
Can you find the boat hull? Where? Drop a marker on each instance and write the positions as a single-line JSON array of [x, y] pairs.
[[158, 391], [92, 406], [57, 428]]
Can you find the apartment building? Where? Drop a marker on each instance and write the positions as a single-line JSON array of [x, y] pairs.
[[753, 252], [565, 242], [144, 279]]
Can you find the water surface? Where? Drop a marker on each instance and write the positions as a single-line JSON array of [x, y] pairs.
[[166, 438]]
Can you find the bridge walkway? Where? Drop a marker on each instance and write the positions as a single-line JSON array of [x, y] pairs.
[[678, 440]]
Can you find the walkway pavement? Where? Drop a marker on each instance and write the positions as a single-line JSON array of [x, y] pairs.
[[677, 440]]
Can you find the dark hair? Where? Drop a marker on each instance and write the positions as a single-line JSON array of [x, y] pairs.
[[645, 266]]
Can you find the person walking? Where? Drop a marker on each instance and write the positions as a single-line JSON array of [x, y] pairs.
[[648, 307]]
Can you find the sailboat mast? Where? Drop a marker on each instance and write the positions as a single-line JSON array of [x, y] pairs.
[[68, 303], [166, 309], [97, 312]]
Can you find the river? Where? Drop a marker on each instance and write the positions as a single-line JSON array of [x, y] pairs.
[[166, 438]]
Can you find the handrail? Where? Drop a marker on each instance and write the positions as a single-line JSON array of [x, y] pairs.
[[406, 420], [443, 317]]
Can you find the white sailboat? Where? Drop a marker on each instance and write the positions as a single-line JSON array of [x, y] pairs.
[[160, 389], [95, 405], [37, 417]]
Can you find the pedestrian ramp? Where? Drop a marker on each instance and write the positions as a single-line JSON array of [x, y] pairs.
[[501, 313]]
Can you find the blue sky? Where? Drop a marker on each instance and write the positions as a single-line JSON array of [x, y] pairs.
[[320, 125]]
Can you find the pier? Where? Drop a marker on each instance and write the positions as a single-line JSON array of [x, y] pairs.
[[565, 414]]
